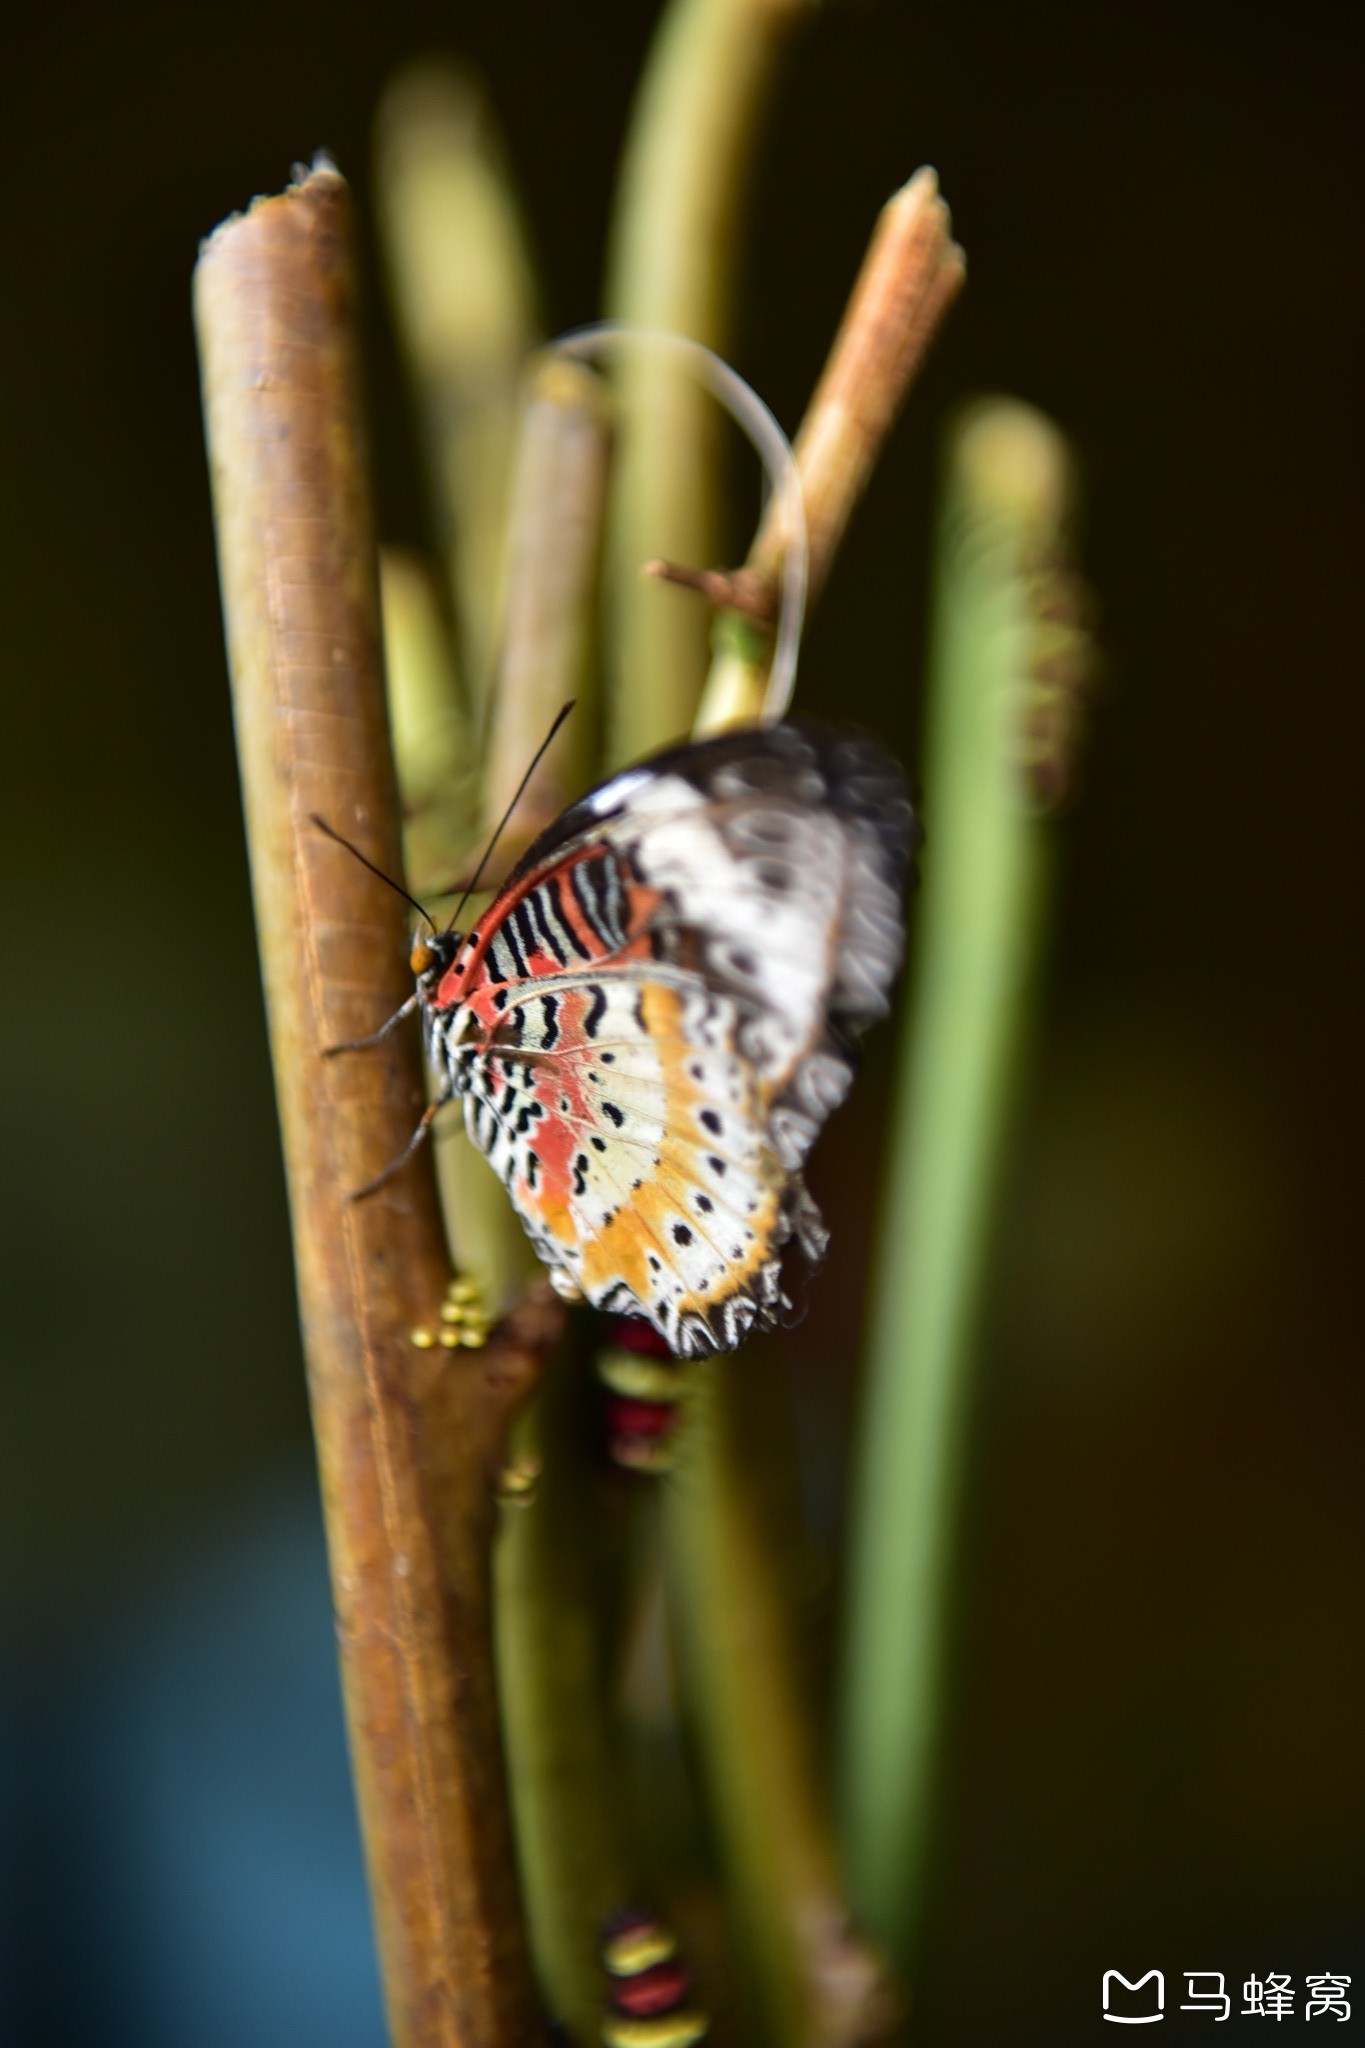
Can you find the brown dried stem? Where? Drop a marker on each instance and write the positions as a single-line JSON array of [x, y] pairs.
[[553, 577], [409, 1440], [732, 590], [911, 274]]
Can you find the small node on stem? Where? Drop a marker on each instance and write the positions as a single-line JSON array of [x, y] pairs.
[[735, 590]]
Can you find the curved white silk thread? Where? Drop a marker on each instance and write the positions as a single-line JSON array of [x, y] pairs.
[[757, 423]]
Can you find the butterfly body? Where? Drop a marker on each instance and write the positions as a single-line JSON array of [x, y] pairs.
[[655, 1016]]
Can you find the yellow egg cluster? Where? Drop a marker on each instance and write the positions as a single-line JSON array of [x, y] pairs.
[[465, 1321]]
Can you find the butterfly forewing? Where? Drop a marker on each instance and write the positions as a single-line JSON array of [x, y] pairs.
[[654, 1018]]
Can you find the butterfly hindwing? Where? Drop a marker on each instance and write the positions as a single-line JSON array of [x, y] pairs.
[[655, 1017]]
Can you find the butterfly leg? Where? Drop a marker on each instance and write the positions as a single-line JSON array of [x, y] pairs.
[[375, 1037], [424, 1124]]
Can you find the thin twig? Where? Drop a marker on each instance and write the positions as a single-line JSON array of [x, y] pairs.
[[732, 590], [911, 274], [409, 1442]]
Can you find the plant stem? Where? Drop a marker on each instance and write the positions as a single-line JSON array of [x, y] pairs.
[[573, 1840], [980, 929], [439, 789], [911, 274], [464, 295], [465, 299], [432, 745], [675, 250], [554, 561], [409, 1443], [816, 1984]]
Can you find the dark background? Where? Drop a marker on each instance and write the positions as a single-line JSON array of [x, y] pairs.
[[1156, 1760]]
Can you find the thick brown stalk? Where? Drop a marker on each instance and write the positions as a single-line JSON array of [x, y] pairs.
[[409, 1438]]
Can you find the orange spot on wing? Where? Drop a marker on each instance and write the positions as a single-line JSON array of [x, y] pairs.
[[621, 1250]]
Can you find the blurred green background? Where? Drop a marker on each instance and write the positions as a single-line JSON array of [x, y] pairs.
[[1157, 1755]]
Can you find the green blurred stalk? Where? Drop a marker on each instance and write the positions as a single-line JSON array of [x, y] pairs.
[[981, 925], [574, 1843], [433, 748], [811, 1981], [464, 295], [439, 788], [674, 256]]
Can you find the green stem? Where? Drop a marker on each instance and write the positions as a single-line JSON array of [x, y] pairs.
[[813, 1981], [573, 1842], [433, 749], [675, 250], [981, 926], [464, 298], [438, 782]]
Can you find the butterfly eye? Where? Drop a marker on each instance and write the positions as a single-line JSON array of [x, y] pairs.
[[422, 957]]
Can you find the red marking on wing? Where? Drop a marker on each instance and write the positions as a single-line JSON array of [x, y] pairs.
[[472, 969]]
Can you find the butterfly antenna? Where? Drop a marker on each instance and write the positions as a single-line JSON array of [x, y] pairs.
[[487, 854], [397, 887]]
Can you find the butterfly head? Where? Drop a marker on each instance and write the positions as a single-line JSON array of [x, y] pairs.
[[432, 953]]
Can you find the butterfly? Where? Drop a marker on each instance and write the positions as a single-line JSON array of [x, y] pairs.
[[653, 1019]]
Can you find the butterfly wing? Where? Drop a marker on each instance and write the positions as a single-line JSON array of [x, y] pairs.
[[652, 1022]]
